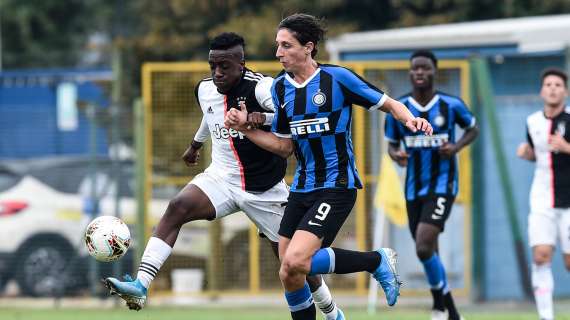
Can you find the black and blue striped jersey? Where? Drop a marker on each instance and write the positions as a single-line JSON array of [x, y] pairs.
[[428, 173], [317, 116]]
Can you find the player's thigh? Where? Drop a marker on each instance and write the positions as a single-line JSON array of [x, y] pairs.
[[436, 209], [194, 203], [218, 193], [414, 210], [542, 234], [301, 249], [328, 212], [265, 209], [297, 205]]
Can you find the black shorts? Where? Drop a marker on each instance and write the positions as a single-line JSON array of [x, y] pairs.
[[433, 209], [321, 212]]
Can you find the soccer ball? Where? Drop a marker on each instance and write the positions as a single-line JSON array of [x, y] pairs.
[[107, 238]]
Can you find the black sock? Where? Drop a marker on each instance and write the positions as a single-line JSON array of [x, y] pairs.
[[437, 295], [349, 261], [450, 306], [305, 314]]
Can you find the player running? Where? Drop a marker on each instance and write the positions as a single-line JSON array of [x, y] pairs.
[[548, 144], [431, 177], [242, 176], [313, 119]]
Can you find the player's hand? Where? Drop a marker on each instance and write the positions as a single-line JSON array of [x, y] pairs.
[[525, 151], [557, 143], [236, 118], [401, 157], [448, 149], [255, 119], [191, 156], [420, 124]]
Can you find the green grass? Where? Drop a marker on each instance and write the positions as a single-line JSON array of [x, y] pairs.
[[237, 314]]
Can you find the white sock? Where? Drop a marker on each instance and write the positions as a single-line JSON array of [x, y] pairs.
[[323, 299], [543, 285], [155, 253]]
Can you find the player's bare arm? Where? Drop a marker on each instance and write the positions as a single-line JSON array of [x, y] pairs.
[[525, 151], [397, 154], [557, 143], [256, 119], [402, 114], [449, 149], [237, 119]]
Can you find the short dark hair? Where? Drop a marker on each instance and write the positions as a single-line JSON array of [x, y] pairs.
[[305, 28], [426, 54], [226, 40], [554, 72]]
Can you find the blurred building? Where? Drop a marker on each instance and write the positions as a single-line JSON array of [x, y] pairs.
[[518, 50]]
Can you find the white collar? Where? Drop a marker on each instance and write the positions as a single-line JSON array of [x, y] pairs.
[[297, 85], [425, 108]]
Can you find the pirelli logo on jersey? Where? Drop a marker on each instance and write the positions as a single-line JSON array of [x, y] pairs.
[[421, 141], [302, 127]]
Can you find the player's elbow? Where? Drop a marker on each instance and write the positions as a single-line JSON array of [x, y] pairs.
[[285, 148]]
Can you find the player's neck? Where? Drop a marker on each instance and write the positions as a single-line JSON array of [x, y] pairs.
[[306, 71], [423, 95], [551, 111]]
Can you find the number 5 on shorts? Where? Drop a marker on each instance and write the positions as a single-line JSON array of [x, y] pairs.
[[323, 211]]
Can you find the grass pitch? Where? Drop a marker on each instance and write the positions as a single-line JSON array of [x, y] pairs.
[[242, 314]]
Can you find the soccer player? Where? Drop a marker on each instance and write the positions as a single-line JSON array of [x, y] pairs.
[[313, 119], [431, 177], [548, 144], [242, 176]]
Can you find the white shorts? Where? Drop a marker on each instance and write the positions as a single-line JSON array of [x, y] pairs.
[[265, 209], [545, 226]]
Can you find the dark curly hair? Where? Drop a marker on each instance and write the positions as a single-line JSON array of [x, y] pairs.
[[305, 28], [226, 40], [426, 54]]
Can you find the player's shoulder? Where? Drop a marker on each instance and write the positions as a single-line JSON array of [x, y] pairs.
[[404, 98], [451, 99], [535, 117], [253, 76], [336, 70], [204, 85]]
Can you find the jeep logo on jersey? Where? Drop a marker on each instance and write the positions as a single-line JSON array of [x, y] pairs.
[[301, 127], [421, 141], [225, 133]]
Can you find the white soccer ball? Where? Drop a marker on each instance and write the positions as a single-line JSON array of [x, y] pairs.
[[107, 238]]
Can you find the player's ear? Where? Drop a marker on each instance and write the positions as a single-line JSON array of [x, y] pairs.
[[309, 47]]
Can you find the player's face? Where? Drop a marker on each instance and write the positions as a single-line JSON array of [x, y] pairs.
[[226, 67], [553, 91], [290, 52], [422, 72]]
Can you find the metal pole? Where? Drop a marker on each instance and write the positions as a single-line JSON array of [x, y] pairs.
[[486, 98], [92, 205], [140, 178]]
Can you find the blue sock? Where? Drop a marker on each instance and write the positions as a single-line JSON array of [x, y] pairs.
[[301, 303], [323, 262], [435, 272]]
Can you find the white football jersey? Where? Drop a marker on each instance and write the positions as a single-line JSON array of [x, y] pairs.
[[238, 160], [551, 184]]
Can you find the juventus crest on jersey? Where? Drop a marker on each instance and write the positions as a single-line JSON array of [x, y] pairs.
[[551, 183], [234, 157]]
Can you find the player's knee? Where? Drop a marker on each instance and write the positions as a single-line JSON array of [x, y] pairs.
[[179, 211], [424, 251], [295, 263]]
